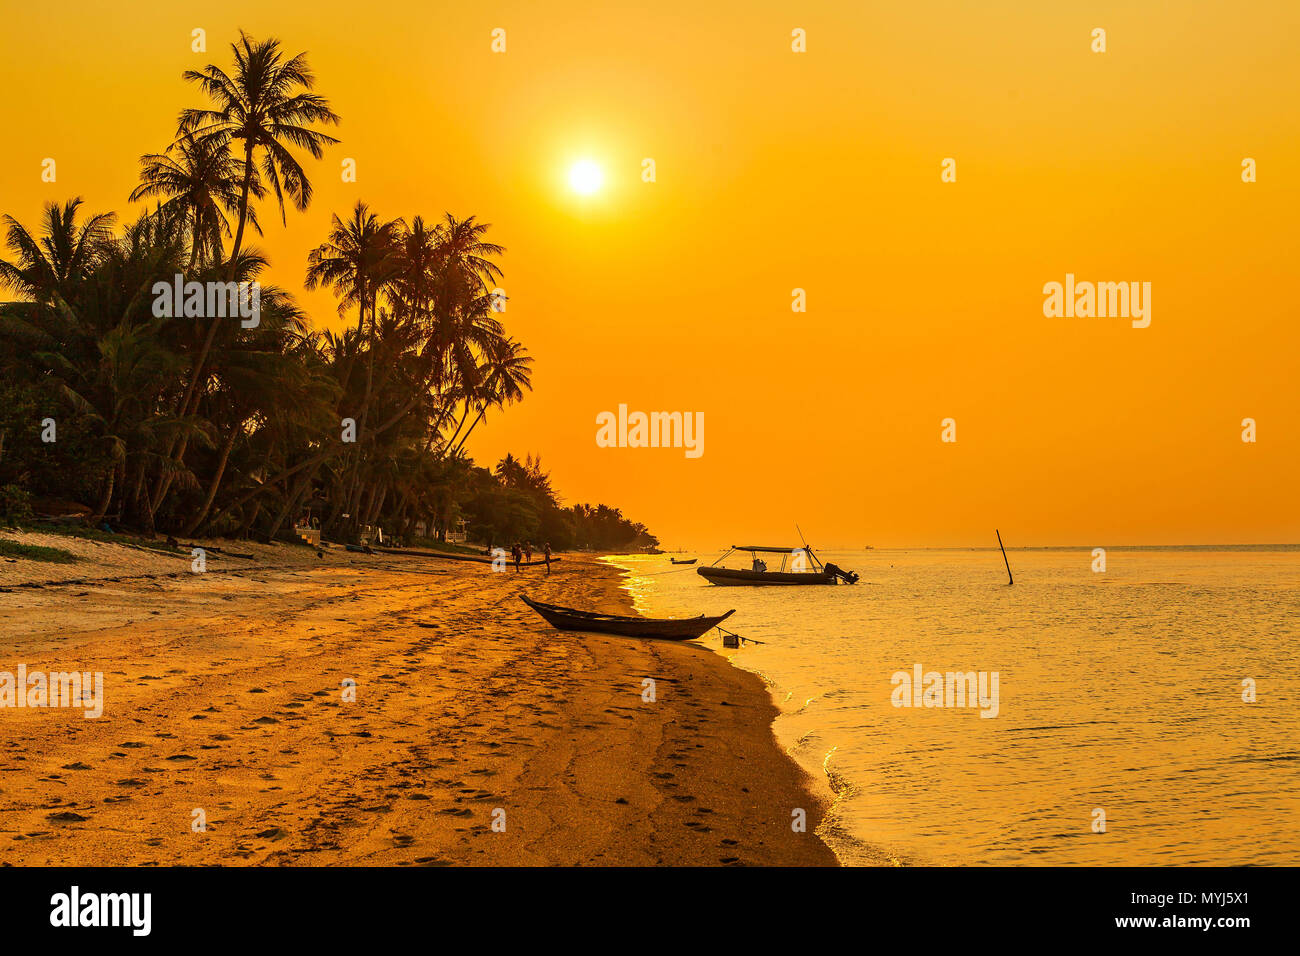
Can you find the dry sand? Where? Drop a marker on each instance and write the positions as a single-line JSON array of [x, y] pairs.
[[223, 693]]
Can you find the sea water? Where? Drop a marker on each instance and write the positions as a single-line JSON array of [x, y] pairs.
[[1147, 714]]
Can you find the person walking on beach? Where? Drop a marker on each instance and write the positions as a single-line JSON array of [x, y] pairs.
[[528, 551], [546, 550], [516, 554]]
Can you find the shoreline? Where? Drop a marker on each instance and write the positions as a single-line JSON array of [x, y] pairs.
[[223, 698], [819, 778]]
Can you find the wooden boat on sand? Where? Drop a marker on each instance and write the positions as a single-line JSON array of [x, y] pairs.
[[569, 619], [806, 569]]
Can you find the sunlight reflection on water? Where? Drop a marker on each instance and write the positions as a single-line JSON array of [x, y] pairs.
[[1119, 691]]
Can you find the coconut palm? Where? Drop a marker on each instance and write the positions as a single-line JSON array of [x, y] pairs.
[[467, 255], [357, 262], [508, 373], [354, 261], [202, 184], [65, 253], [266, 107]]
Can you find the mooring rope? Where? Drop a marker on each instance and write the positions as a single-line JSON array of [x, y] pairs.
[[738, 636]]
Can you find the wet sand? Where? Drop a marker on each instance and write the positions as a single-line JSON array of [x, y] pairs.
[[224, 694]]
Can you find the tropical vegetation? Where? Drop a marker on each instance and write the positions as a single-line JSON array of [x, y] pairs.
[[161, 423]]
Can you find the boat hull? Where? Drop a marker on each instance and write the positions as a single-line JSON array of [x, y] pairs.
[[570, 619], [735, 577]]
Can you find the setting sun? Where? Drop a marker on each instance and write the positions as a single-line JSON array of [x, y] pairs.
[[586, 177]]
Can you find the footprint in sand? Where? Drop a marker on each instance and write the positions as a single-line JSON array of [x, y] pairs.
[[66, 816]]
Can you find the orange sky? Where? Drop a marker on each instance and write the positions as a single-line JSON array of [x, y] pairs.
[[821, 171]]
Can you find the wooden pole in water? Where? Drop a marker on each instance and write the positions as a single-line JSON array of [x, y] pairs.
[[1010, 579]]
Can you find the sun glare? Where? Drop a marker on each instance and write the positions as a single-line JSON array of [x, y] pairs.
[[585, 177]]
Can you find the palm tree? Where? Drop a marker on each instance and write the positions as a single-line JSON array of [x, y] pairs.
[[353, 261], [63, 256], [93, 333], [132, 362], [273, 379], [418, 256], [462, 323], [357, 261], [467, 254], [508, 373], [201, 181], [267, 104]]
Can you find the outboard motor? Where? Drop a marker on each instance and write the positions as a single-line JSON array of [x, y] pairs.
[[848, 577]]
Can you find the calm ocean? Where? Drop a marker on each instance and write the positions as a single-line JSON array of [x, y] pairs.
[[1119, 693]]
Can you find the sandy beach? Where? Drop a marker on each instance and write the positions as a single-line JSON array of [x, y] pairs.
[[224, 692]]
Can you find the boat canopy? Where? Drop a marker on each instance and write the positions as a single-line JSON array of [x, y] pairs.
[[802, 557]]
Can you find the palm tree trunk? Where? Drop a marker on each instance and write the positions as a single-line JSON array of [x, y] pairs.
[[243, 208], [376, 504], [459, 425], [416, 395], [481, 412], [248, 522], [290, 504], [366, 497], [215, 483], [106, 498], [365, 406], [196, 374], [142, 507], [137, 490]]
